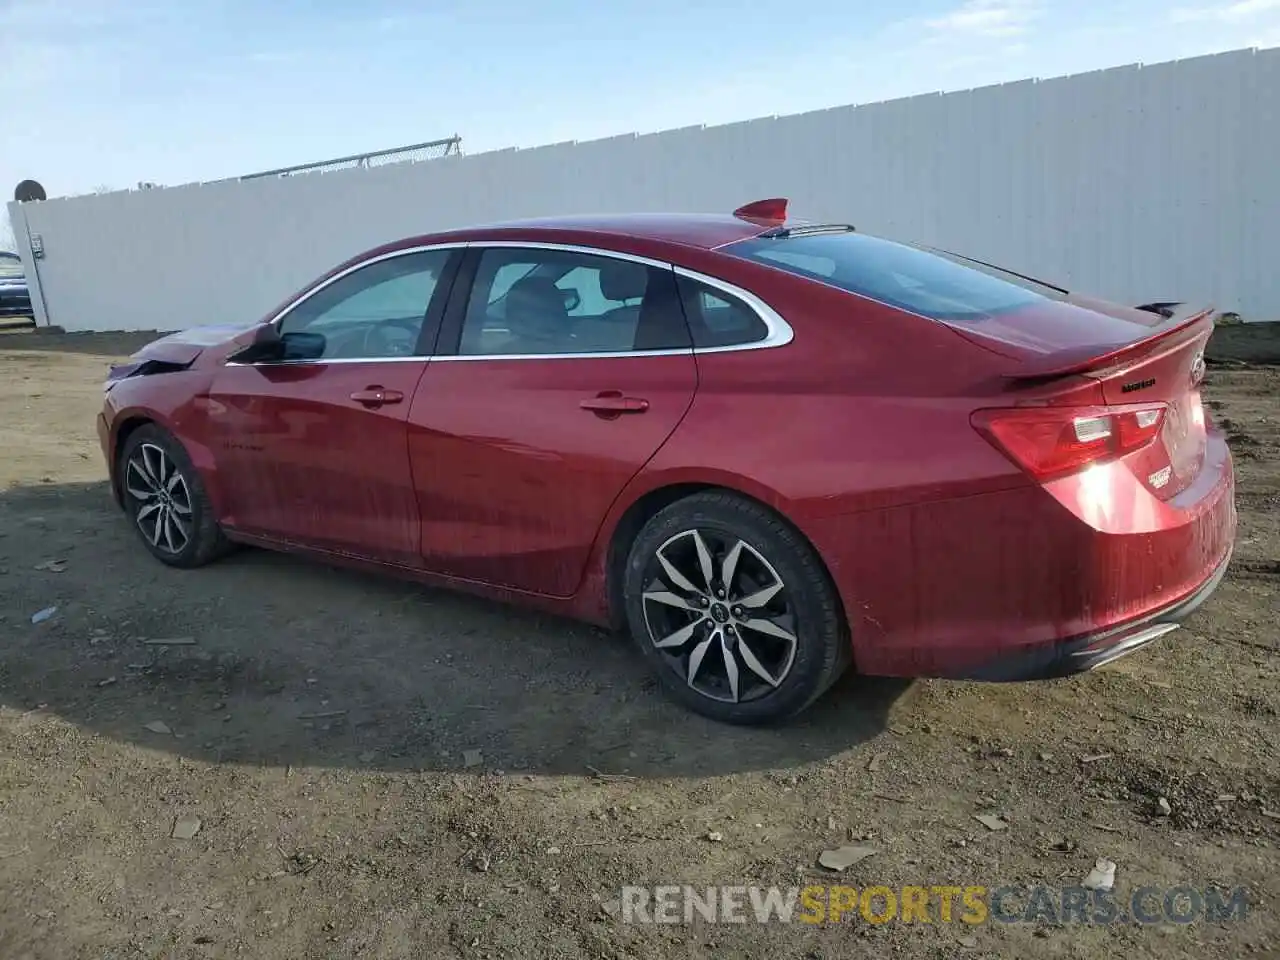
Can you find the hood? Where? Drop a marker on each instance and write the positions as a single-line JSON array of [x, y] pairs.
[[185, 346]]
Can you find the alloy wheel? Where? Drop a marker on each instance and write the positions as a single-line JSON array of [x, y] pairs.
[[720, 615], [163, 502]]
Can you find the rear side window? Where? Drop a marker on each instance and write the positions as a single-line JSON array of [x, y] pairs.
[[930, 283], [544, 302], [718, 319]]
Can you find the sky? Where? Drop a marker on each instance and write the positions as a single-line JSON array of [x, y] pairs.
[[107, 93]]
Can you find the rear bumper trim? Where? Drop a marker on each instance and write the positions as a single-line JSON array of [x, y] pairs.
[[1079, 654]]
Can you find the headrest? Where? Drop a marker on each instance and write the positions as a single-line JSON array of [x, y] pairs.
[[620, 280], [535, 295], [536, 310]]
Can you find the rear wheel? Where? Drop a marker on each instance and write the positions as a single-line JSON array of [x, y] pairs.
[[734, 610], [166, 500]]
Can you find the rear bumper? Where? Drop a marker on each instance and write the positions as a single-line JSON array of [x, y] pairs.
[[1081, 654], [1013, 584]]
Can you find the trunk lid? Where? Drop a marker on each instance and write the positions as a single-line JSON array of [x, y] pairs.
[[1136, 357]]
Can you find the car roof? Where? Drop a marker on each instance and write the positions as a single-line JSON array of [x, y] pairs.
[[703, 230]]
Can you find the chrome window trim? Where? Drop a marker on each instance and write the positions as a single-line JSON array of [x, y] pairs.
[[312, 363], [569, 248], [297, 301], [598, 355], [779, 332]]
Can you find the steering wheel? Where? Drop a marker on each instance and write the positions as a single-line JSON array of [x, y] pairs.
[[391, 338]]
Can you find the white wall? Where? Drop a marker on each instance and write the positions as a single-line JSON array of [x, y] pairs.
[[1135, 184]]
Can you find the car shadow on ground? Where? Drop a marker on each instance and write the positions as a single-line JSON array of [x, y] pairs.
[[277, 660]]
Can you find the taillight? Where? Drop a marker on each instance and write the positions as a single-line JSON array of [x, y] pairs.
[[1050, 442]]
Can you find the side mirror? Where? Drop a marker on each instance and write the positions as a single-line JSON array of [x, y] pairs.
[[302, 346], [265, 348], [270, 347], [572, 300]]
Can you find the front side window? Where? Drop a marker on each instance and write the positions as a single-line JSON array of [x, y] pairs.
[[535, 301], [375, 312], [927, 282]]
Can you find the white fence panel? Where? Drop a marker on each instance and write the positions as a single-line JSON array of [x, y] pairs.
[[1135, 184]]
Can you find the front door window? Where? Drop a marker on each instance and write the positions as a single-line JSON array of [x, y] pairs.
[[376, 312]]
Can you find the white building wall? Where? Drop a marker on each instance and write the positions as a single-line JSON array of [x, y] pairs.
[[1135, 184]]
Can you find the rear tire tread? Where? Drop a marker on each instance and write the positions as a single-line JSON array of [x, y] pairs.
[[821, 617]]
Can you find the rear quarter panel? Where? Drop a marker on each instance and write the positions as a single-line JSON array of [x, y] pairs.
[[867, 407]]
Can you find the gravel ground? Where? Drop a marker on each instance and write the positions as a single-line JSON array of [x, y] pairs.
[[319, 725]]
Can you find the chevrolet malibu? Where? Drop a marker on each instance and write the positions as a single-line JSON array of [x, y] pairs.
[[768, 450]]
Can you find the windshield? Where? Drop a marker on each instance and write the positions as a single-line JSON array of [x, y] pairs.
[[932, 283]]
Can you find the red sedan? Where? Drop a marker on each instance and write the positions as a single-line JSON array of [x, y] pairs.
[[769, 450]]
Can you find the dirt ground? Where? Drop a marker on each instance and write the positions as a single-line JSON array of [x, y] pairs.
[[362, 833]]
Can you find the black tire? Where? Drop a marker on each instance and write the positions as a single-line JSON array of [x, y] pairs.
[[205, 541], [806, 607]]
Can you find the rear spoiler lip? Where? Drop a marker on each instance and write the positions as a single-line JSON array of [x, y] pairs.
[[1095, 357]]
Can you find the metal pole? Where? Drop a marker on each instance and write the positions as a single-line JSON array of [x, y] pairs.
[[30, 265]]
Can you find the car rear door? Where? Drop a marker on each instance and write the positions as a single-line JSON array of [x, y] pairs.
[[561, 371], [314, 451]]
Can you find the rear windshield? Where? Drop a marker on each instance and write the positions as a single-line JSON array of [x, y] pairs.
[[932, 283]]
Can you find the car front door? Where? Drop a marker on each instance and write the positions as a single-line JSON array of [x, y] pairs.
[[560, 373], [314, 450]]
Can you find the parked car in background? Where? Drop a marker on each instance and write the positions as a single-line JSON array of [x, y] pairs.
[[768, 450], [15, 297]]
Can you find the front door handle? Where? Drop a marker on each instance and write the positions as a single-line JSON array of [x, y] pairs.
[[611, 403], [374, 397]]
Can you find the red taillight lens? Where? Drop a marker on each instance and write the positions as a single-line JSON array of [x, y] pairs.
[[1050, 442]]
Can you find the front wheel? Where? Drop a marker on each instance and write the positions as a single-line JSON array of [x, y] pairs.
[[734, 610], [166, 500]]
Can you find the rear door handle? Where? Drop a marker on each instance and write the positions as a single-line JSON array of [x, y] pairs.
[[611, 403], [373, 397]]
